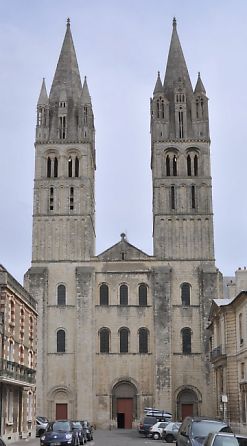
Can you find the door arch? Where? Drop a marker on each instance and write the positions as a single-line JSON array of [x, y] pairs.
[[188, 399], [124, 404]]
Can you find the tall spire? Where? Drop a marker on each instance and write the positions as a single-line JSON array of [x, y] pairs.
[[67, 74], [158, 86], [176, 69], [85, 97], [199, 88]]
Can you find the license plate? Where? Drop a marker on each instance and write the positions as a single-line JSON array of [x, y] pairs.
[[55, 444]]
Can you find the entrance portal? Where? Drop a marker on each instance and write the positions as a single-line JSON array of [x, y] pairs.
[[124, 404], [187, 403]]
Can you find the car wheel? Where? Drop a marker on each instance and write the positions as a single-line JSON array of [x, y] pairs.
[[156, 436], [169, 438]]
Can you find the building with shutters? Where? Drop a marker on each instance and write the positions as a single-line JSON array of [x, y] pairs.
[[122, 330]]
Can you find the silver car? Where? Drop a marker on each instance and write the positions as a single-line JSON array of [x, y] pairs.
[[170, 431], [41, 425]]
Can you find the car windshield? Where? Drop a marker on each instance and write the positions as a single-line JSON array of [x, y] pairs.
[[63, 426], [203, 428], [77, 425]]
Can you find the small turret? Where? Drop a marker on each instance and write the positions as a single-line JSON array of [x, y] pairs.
[[159, 112], [42, 114], [200, 111]]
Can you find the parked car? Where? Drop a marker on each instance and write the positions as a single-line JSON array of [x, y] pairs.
[[220, 439], [82, 431], [156, 430], [242, 439], [194, 430], [41, 425], [144, 426], [170, 432], [89, 429], [60, 432]]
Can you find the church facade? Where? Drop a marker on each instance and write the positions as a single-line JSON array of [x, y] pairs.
[[123, 330]]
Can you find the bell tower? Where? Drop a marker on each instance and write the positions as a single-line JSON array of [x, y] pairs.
[[64, 203], [180, 144]]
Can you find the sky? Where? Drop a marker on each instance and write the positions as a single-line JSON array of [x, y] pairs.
[[120, 47]]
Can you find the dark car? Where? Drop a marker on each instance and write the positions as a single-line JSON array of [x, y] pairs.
[[60, 433], [242, 439], [220, 439], [148, 422], [89, 429], [194, 430], [82, 431]]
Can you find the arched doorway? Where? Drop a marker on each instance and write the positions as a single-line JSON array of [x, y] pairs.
[[61, 403], [187, 403], [124, 403]]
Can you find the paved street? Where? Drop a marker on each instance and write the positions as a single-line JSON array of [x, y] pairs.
[[115, 437]]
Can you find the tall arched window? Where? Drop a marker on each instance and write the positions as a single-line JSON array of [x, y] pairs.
[[196, 165], [70, 167], [76, 166], [104, 339], [104, 294], [143, 295], [189, 166], [124, 340], [123, 295], [172, 197], [48, 167], [143, 340], [60, 341], [55, 167], [174, 165], [186, 340], [61, 294], [168, 171], [185, 294], [193, 197]]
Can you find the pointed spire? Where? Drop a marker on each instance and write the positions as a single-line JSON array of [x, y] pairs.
[[176, 69], [67, 72], [85, 96], [199, 88], [158, 86], [43, 97]]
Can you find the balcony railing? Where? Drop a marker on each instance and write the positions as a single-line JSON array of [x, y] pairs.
[[216, 353], [12, 371]]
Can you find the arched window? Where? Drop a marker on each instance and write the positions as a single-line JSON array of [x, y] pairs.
[[55, 167], [71, 198], [70, 167], [143, 340], [21, 354], [124, 340], [60, 341], [172, 197], [30, 359], [186, 340], [193, 197], [196, 165], [189, 166], [48, 167], [123, 295], [61, 294], [143, 295], [168, 171], [51, 199], [174, 165], [104, 339], [76, 166], [104, 294], [185, 294]]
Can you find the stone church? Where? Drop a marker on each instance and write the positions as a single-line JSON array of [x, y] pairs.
[[123, 330]]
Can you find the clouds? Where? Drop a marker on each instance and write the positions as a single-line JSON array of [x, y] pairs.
[[120, 46]]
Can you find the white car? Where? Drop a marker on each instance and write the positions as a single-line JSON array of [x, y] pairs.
[[156, 430]]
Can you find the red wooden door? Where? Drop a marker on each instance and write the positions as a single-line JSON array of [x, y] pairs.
[[125, 407], [187, 410], [61, 411]]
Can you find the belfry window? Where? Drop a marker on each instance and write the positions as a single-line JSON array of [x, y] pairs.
[[70, 167], [189, 165], [51, 199], [168, 171], [85, 114], [55, 167], [193, 197], [181, 123], [172, 197], [48, 167], [62, 127], [196, 165], [174, 165], [76, 166], [143, 295], [71, 198]]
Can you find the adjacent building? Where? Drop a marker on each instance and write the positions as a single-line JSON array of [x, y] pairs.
[[123, 330], [228, 327], [18, 334]]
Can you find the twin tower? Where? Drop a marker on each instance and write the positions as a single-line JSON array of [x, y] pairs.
[[122, 330]]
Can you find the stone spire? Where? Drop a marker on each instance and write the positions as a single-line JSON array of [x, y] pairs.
[[85, 96], [158, 86], [199, 88], [176, 69], [67, 74], [43, 97]]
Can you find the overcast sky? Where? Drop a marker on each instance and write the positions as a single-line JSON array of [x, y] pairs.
[[120, 46]]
